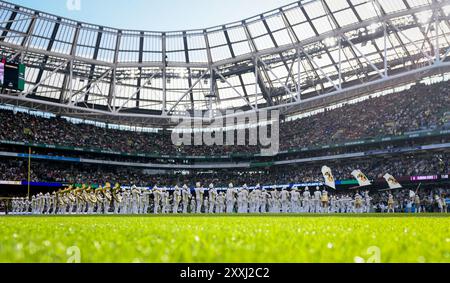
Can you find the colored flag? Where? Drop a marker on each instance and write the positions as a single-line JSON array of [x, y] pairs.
[[328, 175], [361, 178], [393, 183]]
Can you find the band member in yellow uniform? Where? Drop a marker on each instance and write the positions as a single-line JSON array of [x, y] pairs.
[[358, 203], [391, 204], [63, 200], [417, 203], [92, 200], [100, 197], [107, 197], [117, 198]]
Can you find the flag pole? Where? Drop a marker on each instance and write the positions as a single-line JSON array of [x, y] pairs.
[[29, 171]]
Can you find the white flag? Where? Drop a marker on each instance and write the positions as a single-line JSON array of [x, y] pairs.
[[328, 175], [361, 178], [393, 183]]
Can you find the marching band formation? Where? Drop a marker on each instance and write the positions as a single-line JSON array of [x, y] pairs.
[[116, 200]]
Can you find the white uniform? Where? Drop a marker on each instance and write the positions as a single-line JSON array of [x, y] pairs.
[[275, 206], [295, 198], [164, 201], [186, 195], [306, 201], [367, 203], [206, 205], [212, 199], [176, 199], [134, 200], [243, 200], [317, 201], [220, 203], [230, 199], [156, 200], [284, 201], [263, 199], [199, 191]]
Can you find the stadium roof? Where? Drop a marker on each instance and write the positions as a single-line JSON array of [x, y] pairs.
[[298, 57]]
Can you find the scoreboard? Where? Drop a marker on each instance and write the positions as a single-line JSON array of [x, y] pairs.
[[12, 75]]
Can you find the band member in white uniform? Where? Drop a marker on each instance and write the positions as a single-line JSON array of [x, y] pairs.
[[212, 198], [199, 191], [230, 198], [317, 200], [176, 199], [306, 201], [156, 200], [186, 194], [284, 201], [295, 198]]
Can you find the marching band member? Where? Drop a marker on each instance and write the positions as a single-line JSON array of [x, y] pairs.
[[53, 203], [206, 205], [134, 200], [444, 204], [306, 201], [186, 195], [358, 203], [317, 200], [107, 197], [367, 202], [230, 199], [391, 208], [165, 204], [199, 191], [220, 203], [157, 199], [145, 201], [440, 203], [276, 204], [26, 210], [333, 204], [14, 206], [78, 202], [212, 198], [295, 198], [193, 206], [347, 203], [41, 203], [258, 193], [117, 197], [325, 202], [284, 201], [123, 205], [264, 197], [100, 199], [92, 200], [176, 199], [417, 203], [257, 199]]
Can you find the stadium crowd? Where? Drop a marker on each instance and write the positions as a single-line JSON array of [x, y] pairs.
[[379, 116], [375, 168]]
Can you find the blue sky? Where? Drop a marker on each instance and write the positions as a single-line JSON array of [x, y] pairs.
[[157, 15]]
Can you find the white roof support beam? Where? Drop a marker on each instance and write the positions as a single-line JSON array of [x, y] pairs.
[[59, 67]]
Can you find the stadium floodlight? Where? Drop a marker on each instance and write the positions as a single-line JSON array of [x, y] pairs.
[[373, 28], [330, 41]]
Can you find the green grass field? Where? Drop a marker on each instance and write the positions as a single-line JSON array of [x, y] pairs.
[[230, 239]]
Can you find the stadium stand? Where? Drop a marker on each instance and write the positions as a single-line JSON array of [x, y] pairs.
[[389, 115]]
